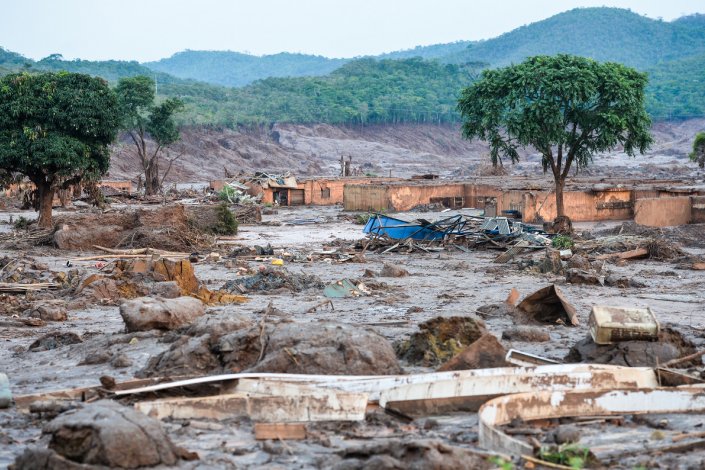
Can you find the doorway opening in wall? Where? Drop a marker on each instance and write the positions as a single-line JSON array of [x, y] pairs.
[[281, 196], [325, 193], [449, 202]]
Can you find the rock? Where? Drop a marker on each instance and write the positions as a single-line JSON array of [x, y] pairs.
[[103, 433], [120, 361], [99, 357], [148, 313], [566, 434], [527, 334], [577, 276], [218, 325], [391, 270], [439, 339], [552, 262], [670, 345], [272, 279], [411, 454], [287, 347], [369, 273], [165, 290], [54, 340], [579, 262], [187, 356], [317, 348], [484, 353], [414, 310], [50, 310]]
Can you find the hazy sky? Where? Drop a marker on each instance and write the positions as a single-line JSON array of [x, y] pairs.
[[146, 30]]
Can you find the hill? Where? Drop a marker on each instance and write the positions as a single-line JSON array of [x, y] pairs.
[[236, 69], [604, 34]]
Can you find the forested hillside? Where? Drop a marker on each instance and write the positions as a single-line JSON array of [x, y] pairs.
[[604, 34], [235, 69], [418, 85]]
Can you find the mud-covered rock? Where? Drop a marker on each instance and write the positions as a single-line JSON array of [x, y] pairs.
[[670, 345], [49, 310], [409, 454], [105, 434], [311, 348], [527, 334], [55, 340], [392, 270], [484, 353], [149, 313], [439, 339], [186, 356]]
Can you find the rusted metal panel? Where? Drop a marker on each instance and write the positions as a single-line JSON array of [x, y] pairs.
[[561, 404], [469, 392]]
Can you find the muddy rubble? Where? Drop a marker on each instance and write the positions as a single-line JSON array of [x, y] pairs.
[[391, 376]]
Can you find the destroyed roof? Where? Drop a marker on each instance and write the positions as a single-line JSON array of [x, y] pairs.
[[276, 181]]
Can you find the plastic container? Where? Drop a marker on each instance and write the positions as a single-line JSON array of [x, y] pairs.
[[613, 324]]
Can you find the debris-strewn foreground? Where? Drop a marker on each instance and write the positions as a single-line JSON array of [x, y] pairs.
[[297, 345]]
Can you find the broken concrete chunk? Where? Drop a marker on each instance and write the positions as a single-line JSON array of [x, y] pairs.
[[439, 339], [148, 313], [166, 290], [527, 334], [103, 433], [486, 352], [391, 270]]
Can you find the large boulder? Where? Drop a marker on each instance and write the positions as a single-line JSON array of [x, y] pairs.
[[106, 434], [149, 313], [287, 347]]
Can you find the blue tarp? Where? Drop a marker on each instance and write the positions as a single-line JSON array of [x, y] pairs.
[[398, 229]]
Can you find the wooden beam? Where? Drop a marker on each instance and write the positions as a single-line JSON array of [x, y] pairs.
[[281, 431]]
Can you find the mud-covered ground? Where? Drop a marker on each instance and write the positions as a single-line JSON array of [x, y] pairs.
[[446, 283]]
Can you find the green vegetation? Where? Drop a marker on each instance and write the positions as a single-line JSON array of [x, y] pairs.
[[562, 242], [698, 153], [226, 225], [141, 117], [565, 107], [569, 454], [55, 129]]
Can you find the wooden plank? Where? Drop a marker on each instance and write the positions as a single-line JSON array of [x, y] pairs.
[[698, 266], [281, 431], [631, 254], [508, 255]]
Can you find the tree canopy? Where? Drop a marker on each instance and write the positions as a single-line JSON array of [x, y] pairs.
[[566, 107], [55, 129], [698, 153], [143, 119]]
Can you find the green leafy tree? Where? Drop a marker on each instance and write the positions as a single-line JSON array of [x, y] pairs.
[[151, 126], [566, 107], [55, 128], [698, 153]]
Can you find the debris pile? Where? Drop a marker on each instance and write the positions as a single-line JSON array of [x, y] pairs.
[[270, 279]]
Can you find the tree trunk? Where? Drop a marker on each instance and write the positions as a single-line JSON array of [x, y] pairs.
[[150, 188], [46, 199], [560, 209]]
